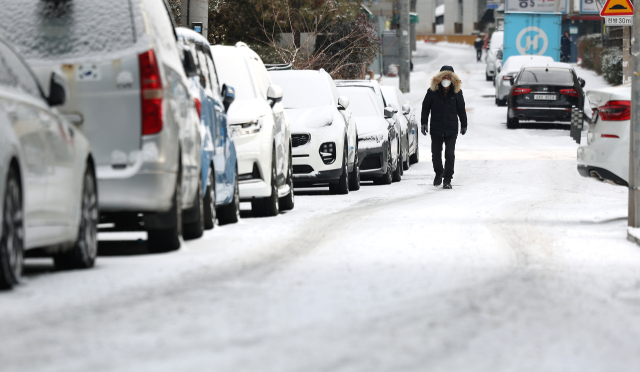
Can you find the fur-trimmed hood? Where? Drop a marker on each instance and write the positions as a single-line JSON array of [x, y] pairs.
[[455, 81]]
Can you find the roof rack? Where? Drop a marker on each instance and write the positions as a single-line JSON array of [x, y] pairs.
[[278, 66]]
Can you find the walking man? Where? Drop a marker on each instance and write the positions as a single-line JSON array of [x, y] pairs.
[[445, 103], [478, 44], [565, 46]]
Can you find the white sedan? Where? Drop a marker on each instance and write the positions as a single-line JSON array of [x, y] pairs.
[[606, 155]]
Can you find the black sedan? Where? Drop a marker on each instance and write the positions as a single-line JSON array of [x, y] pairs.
[[544, 93]]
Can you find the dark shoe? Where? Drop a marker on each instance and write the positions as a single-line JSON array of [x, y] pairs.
[[447, 185], [437, 181]]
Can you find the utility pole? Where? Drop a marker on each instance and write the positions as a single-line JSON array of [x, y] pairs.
[[404, 47], [634, 146]]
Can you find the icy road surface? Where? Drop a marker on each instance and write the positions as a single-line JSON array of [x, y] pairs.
[[523, 266]]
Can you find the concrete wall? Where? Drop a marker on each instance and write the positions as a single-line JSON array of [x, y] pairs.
[[451, 16], [469, 15], [197, 11], [425, 10]]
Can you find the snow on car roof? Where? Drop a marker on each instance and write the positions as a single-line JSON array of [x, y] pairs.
[[303, 88], [189, 34]]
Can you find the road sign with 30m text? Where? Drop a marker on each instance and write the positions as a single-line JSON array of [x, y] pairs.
[[617, 8]]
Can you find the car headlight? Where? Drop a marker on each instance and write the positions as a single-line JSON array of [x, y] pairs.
[[243, 129]]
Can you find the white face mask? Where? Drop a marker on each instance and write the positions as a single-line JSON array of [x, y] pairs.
[[446, 83]]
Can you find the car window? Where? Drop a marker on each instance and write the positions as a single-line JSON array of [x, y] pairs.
[[233, 70], [205, 75], [261, 76], [48, 30], [334, 89], [215, 84], [546, 76], [14, 73], [361, 101], [302, 93]]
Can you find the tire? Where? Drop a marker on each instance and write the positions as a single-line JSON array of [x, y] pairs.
[[501, 102], [342, 187], [397, 174], [287, 202], [387, 178], [85, 250], [269, 206], [415, 158], [194, 229], [354, 179], [230, 213], [406, 164], [167, 240], [489, 78], [512, 123], [210, 202], [12, 239]]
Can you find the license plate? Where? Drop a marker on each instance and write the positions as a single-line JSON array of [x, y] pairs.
[[546, 97]]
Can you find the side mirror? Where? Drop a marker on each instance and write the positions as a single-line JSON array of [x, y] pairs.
[[189, 64], [582, 82], [388, 112], [228, 96], [274, 94], [343, 103], [406, 109], [57, 90]]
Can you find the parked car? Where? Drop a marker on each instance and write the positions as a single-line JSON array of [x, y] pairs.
[[510, 69], [129, 95], [497, 65], [494, 46], [260, 130], [544, 93], [408, 124], [220, 168], [606, 155], [323, 131], [378, 137], [375, 87], [48, 194]]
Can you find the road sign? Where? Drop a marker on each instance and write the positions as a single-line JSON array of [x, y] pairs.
[[618, 21], [617, 8]]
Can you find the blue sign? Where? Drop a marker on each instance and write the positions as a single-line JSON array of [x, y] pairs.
[[532, 34], [492, 6], [198, 29]]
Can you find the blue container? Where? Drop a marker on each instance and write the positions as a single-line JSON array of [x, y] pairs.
[[532, 34]]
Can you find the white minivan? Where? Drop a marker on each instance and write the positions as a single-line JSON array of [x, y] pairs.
[[128, 94], [495, 45], [260, 130]]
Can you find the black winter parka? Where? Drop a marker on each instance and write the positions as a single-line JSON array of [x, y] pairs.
[[444, 111]]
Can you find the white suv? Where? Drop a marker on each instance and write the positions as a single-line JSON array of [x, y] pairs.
[[325, 147], [606, 155], [260, 130]]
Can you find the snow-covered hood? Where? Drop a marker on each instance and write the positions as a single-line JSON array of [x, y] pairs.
[[371, 125], [314, 117], [245, 111]]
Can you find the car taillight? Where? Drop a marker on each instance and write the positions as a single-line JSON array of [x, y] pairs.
[[518, 91], [569, 92], [615, 111], [198, 107], [151, 93], [506, 77]]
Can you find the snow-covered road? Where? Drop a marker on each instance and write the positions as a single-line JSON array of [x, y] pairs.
[[523, 266]]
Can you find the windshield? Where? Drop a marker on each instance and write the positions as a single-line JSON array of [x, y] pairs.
[[302, 93], [47, 30], [361, 101], [233, 70], [496, 40], [546, 76]]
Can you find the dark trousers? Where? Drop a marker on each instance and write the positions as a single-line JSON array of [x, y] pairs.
[[479, 54], [449, 154]]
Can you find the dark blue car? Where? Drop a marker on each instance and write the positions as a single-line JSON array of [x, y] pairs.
[[219, 164]]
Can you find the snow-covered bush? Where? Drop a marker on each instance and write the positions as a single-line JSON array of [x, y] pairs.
[[612, 65], [590, 51]]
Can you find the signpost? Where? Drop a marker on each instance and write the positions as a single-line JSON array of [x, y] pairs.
[[617, 13]]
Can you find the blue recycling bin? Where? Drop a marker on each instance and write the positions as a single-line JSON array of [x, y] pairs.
[[532, 34]]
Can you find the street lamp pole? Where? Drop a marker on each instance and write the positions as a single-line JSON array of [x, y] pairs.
[[634, 145], [404, 47]]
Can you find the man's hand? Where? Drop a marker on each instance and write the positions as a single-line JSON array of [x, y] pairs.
[[463, 130], [425, 129]]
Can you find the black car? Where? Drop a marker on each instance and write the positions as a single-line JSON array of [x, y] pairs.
[[544, 93]]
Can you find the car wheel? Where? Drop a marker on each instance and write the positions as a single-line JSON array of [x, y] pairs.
[[168, 239], [210, 202], [397, 174], [287, 202], [269, 207], [195, 227], [12, 239], [512, 123], [230, 213], [342, 187], [487, 76], [406, 163], [354, 180], [85, 250], [387, 178], [415, 158]]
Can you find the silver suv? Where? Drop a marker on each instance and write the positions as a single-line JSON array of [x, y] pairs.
[[128, 94]]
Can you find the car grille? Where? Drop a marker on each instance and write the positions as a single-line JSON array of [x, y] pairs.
[[371, 162], [302, 169], [299, 139]]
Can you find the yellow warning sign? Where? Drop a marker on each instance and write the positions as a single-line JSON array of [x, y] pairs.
[[617, 8]]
